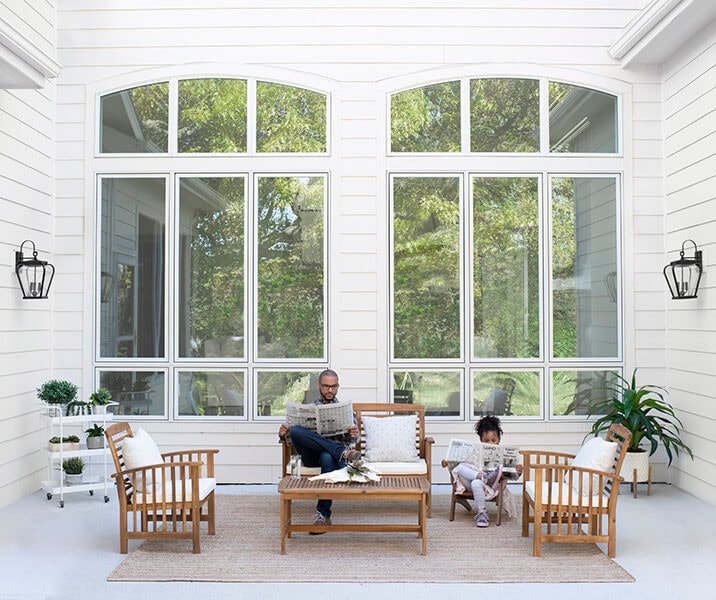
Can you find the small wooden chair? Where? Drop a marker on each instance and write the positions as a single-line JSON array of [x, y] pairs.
[[467, 495], [167, 500]]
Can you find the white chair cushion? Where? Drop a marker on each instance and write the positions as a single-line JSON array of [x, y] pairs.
[[206, 486], [399, 468], [597, 454], [141, 451], [390, 439], [569, 496]]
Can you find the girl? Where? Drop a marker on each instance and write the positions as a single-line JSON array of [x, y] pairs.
[[484, 485]]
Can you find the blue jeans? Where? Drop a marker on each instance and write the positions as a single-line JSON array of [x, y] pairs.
[[317, 451]]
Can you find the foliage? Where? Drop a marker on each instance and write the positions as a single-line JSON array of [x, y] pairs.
[[73, 466], [100, 397], [67, 439], [643, 411], [95, 431], [57, 391], [151, 106]]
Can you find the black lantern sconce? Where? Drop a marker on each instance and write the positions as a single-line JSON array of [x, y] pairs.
[[684, 275], [106, 285], [35, 276]]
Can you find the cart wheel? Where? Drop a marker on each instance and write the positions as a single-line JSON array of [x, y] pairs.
[[91, 492], [62, 504], [106, 499]]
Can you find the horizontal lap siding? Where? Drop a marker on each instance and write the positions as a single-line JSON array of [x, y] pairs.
[[360, 46], [26, 212], [690, 131]]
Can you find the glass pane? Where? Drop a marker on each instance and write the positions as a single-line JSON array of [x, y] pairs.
[[438, 391], [573, 392], [139, 393], [290, 267], [426, 264], [506, 267], [289, 119], [426, 119], [210, 291], [135, 120], [211, 394], [581, 120], [132, 255], [504, 115], [275, 389], [584, 254], [506, 393], [212, 115]]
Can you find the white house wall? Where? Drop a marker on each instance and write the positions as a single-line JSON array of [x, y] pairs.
[[360, 50], [27, 334], [690, 178]]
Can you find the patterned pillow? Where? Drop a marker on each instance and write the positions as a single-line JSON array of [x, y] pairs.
[[390, 439]]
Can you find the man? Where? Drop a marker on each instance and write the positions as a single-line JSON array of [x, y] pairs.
[[329, 453]]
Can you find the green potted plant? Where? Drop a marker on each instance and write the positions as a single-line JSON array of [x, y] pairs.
[[78, 408], [644, 411], [99, 399], [65, 444], [95, 437], [73, 468], [58, 393]]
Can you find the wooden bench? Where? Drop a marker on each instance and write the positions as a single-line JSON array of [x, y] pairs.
[[423, 444]]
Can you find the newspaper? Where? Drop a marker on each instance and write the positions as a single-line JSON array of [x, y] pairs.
[[324, 419], [486, 457]]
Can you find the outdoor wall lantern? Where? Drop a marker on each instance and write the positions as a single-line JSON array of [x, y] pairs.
[[106, 284], [684, 275], [35, 276]]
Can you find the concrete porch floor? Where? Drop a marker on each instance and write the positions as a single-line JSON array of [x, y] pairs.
[[667, 541]]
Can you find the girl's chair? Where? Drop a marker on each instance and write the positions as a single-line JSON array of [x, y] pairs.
[[455, 496]]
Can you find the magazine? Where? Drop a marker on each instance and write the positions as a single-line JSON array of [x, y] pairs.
[[486, 457], [324, 419]]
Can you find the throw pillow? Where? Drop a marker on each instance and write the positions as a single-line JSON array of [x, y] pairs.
[[597, 454], [141, 451], [390, 439]]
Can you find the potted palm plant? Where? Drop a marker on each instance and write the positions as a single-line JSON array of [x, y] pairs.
[[644, 411]]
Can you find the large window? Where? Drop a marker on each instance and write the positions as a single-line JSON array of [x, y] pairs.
[[504, 283], [211, 285]]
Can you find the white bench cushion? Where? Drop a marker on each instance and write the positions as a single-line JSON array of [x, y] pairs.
[[569, 496], [206, 486], [399, 468]]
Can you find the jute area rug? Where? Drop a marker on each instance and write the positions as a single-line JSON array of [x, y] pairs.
[[246, 548]]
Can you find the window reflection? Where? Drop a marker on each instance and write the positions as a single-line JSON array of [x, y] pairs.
[[506, 393], [438, 391], [211, 394], [139, 393]]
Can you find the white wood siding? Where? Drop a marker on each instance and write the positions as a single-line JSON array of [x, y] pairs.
[[690, 181], [26, 212]]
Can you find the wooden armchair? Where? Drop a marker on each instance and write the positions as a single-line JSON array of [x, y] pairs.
[[566, 502], [164, 500]]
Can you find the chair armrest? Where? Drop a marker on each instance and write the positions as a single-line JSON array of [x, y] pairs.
[[205, 456], [533, 458], [581, 479], [286, 450]]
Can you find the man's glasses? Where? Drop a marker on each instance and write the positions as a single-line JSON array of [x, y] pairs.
[[329, 387]]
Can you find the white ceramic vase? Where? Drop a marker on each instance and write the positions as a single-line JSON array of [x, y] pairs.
[[638, 461]]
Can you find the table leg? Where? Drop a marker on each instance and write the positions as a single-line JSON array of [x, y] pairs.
[[421, 520], [285, 520]]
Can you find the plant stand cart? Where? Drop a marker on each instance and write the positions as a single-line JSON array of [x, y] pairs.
[[58, 425]]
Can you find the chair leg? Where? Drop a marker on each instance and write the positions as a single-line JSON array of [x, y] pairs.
[[452, 506], [196, 529], [211, 513], [525, 517]]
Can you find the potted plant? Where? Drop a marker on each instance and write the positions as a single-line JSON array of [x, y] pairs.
[[58, 393], [73, 468], [78, 408], [65, 444], [99, 399], [95, 437], [644, 411]]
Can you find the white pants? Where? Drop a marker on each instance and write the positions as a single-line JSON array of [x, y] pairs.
[[467, 475]]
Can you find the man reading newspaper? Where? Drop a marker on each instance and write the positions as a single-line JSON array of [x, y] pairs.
[[331, 451]]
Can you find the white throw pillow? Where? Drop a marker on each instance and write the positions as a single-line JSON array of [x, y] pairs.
[[390, 439], [597, 454], [141, 451]]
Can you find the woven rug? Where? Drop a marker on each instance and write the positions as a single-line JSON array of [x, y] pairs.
[[246, 548]]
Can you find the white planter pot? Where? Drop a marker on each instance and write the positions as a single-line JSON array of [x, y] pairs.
[[94, 442], [73, 479], [638, 461], [64, 447]]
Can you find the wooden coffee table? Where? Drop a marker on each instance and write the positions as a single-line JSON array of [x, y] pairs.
[[387, 489]]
